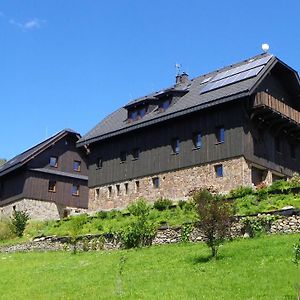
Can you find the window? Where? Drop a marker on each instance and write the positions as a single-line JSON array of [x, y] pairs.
[[175, 145], [99, 162], [52, 186], [109, 191], [220, 135], [123, 156], [293, 151], [126, 188], [76, 165], [97, 193], [137, 114], [155, 182], [278, 145], [197, 140], [136, 153], [164, 105], [219, 170], [137, 186], [75, 190], [118, 189], [53, 161]]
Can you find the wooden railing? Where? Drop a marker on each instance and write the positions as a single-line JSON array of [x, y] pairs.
[[264, 99]]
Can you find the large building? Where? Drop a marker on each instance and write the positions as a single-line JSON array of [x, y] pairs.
[[49, 180], [237, 126]]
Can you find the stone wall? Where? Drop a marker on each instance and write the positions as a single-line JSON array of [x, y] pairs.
[[173, 185], [164, 235], [38, 210]]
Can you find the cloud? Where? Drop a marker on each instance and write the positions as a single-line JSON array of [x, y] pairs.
[[28, 25]]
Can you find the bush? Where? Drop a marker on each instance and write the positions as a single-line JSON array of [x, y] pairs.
[[19, 221], [102, 215], [241, 191], [296, 258], [214, 218], [162, 204], [140, 232], [257, 225], [5, 230], [279, 186]]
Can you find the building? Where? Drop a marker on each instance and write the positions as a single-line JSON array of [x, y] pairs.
[[237, 126], [48, 180]]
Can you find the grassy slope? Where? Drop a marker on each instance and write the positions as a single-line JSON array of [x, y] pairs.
[[247, 269]]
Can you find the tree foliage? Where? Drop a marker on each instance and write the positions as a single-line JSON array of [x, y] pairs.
[[214, 214], [19, 221]]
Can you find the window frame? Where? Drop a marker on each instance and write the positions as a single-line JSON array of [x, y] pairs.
[[175, 144], [219, 170], [196, 141], [76, 193], [136, 153], [155, 182], [123, 157], [99, 162], [52, 186], [79, 166], [55, 165], [220, 134]]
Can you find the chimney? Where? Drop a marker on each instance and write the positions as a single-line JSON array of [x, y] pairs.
[[182, 78]]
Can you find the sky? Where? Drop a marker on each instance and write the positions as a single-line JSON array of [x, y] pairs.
[[70, 63]]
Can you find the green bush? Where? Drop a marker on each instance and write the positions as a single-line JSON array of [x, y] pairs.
[[141, 231], [279, 186], [5, 230], [162, 204], [102, 215], [19, 221], [240, 192], [296, 258], [257, 225]]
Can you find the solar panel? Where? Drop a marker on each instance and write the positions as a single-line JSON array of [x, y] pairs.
[[245, 67], [205, 80], [232, 79]]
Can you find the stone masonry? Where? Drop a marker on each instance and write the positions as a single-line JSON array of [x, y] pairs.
[[172, 185]]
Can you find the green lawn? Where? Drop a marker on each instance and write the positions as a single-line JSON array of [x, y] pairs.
[[258, 268]]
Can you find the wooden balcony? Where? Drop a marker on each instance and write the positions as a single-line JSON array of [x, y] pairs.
[[271, 110]]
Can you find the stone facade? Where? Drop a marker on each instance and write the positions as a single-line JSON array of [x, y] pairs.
[[37, 209], [172, 185]]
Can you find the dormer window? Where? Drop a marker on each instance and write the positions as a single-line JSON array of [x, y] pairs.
[[164, 105], [137, 113]]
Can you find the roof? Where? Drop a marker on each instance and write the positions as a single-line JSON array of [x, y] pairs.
[[196, 94], [60, 173], [29, 154]]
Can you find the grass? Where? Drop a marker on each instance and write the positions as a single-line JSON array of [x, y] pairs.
[[247, 269]]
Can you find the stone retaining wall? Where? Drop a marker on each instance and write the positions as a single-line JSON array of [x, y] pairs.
[[164, 235]]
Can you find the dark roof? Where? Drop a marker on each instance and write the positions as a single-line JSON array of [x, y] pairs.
[[29, 154], [191, 100]]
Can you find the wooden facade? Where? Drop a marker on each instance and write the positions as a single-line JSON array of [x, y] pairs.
[[32, 179]]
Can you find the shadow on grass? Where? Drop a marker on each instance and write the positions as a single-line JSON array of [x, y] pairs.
[[195, 260]]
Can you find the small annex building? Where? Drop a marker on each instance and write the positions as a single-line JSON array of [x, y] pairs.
[[49, 180], [236, 126]]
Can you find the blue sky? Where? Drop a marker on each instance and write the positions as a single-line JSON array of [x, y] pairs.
[[69, 63]]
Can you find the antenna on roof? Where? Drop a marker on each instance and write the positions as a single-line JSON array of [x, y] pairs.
[[265, 47], [178, 68]]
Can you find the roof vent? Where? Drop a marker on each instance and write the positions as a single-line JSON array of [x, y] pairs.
[[182, 78]]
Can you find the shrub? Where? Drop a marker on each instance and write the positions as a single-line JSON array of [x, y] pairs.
[[186, 230], [140, 232], [241, 191], [19, 221], [75, 226], [296, 258], [279, 186], [257, 225], [214, 218], [102, 215], [162, 204], [5, 230]]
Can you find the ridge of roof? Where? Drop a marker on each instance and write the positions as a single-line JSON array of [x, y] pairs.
[[116, 121], [28, 154]]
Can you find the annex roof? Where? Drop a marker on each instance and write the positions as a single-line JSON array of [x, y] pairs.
[[223, 85], [21, 159]]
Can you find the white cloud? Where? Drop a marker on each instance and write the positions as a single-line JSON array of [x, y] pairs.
[[28, 25]]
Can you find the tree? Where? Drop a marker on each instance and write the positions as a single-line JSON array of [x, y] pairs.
[[214, 214], [19, 221]]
